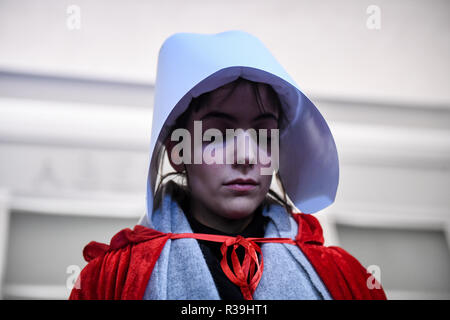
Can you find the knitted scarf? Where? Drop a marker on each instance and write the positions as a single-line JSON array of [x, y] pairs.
[[181, 271]]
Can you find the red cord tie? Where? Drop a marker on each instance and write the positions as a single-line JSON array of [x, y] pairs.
[[247, 275]]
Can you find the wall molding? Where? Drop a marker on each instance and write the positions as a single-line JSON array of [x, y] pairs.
[[58, 124]]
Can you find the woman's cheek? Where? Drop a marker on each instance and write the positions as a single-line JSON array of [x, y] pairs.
[[213, 153]]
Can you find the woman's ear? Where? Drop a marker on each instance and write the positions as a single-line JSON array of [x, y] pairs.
[[174, 159]]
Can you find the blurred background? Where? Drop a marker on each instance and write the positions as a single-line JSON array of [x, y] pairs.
[[76, 96]]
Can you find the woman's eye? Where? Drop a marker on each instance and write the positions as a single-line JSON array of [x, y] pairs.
[[209, 138], [267, 138], [212, 137]]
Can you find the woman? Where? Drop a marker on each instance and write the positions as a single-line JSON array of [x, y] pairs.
[[229, 118]]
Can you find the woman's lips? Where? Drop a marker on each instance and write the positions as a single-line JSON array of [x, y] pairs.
[[241, 185]]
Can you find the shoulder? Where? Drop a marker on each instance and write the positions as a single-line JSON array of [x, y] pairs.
[[344, 276], [114, 268], [309, 229], [121, 240]]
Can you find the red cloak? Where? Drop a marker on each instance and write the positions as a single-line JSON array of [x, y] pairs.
[[122, 269]]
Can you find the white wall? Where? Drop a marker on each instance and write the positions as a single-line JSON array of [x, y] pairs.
[[76, 108], [325, 45]]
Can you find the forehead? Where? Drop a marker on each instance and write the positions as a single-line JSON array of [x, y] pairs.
[[242, 98]]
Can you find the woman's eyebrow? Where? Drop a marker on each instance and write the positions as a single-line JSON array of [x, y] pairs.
[[266, 115], [218, 114]]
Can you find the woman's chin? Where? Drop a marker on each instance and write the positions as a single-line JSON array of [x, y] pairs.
[[240, 210]]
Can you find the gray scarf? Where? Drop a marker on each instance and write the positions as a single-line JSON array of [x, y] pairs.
[[181, 272]]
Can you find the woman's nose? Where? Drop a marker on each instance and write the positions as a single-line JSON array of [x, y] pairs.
[[245, 148]]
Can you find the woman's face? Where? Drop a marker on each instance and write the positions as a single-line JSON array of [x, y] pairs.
[[216, 196]]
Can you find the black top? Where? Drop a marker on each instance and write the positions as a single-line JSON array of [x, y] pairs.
[[211, 251]]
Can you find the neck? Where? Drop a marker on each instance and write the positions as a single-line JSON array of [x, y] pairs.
[[216, 221]]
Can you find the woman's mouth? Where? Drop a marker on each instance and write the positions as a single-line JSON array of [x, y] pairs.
[[241, 185]]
